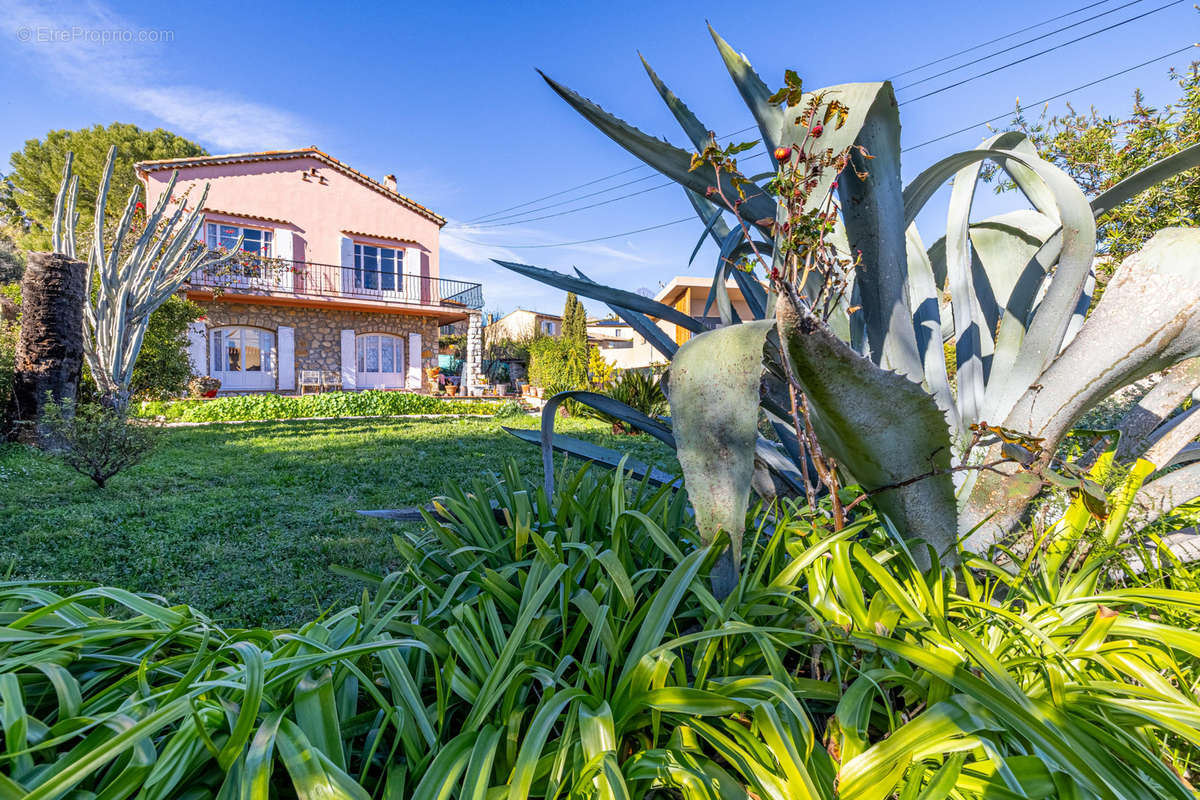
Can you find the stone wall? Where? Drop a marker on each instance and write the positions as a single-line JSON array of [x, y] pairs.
[[318, 331]]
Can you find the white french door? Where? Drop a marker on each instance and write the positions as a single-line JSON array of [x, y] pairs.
[[380, 361], [244, 359]]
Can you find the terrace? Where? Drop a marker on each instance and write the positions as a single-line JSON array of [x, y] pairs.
[[291, 282]]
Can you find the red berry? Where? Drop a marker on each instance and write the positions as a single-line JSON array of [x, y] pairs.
[[833, 186], [783, 153], [710, 191], [817, 130]]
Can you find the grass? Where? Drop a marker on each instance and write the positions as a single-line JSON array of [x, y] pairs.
[[244, 521]]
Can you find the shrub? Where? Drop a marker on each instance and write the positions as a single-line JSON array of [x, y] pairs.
[[557, 363], [94, 440], [373, 403], [638, 389], [8, 354]]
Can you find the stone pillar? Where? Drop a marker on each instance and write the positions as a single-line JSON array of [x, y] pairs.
[[49, 353], [472, 372]]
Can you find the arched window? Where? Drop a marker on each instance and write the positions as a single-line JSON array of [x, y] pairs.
[[380, 360], [243, 358]]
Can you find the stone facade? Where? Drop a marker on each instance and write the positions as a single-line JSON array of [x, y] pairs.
[[318, 331], [473, 364]]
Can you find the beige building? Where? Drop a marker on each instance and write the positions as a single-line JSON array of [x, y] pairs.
[[523, 324], [622, 346], [689, 294]]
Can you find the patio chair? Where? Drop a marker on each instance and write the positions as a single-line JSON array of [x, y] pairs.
[[310, 378], [331, 380]]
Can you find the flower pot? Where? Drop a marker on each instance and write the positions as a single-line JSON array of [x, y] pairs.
[[452, 390], [210, 393]]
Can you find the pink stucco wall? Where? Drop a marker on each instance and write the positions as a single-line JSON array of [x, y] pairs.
[[316, 211]]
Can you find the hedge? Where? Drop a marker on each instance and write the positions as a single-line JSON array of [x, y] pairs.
[[326, 404]]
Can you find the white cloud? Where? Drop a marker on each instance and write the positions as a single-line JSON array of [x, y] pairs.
[[94, 50]]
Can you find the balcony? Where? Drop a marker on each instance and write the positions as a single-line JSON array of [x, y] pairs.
[[276, 277]]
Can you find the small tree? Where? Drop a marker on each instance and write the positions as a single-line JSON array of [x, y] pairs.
[[94, 440], [1098, 151]]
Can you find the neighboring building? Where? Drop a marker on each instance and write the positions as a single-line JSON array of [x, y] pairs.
[[524, 324], [622, 346], [690, 295], [341, 275]]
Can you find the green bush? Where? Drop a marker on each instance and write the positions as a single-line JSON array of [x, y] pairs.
[[640, 390], [535, 649], [374, 403], [94, 440], [557, 363], [8, 354]]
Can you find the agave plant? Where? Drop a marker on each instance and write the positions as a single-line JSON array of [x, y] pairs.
[[123, 293], [943, 461]]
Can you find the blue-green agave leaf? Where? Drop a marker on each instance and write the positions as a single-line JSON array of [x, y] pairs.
[[1143, 179], [1147, 320], [873, 215], [603, 456], [666, 158], [754, 91], [925, 298], [653, 334], [714, 397], [606, 294], [883, 428]]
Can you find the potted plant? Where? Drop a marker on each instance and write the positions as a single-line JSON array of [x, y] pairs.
[[203, 386]]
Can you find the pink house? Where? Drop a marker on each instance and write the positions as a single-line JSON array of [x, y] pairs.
[[340, 284]]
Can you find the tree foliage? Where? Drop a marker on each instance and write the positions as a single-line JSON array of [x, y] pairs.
[[574, 322], [37, 172], [1098, 151], [163, 369]]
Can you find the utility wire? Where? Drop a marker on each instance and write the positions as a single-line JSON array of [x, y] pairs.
[[1053, 97], [521, 218], [964, 51], [1022, 60], [1019, 45], [904, 150], [626, 171]]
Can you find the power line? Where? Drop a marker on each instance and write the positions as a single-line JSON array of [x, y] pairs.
[[1054, 97], [1019, 45], [911, 70], [564, 191], [1114, 26], [903, 150], [522, 217], [581, 241], [626, 171]]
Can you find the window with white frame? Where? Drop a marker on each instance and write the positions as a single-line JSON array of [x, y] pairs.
[[380, 353], [242, 350], [379, 268], [548, 327], [223, 236]]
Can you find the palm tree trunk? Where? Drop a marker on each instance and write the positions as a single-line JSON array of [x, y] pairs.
[[49, 352]]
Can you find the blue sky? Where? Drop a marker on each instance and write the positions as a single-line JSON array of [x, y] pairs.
[[445, 96]]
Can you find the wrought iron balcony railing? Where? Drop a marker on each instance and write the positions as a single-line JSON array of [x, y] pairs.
[[277, 276]]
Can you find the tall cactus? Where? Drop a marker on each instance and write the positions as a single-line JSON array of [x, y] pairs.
[[122, 293], [1030, 359]]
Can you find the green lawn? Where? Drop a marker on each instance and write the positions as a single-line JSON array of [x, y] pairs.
[[243, 521]]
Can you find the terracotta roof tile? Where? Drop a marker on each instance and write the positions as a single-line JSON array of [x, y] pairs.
[[366, 235], [207, 210]]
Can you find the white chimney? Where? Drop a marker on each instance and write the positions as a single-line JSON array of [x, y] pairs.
[[389, 181]]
